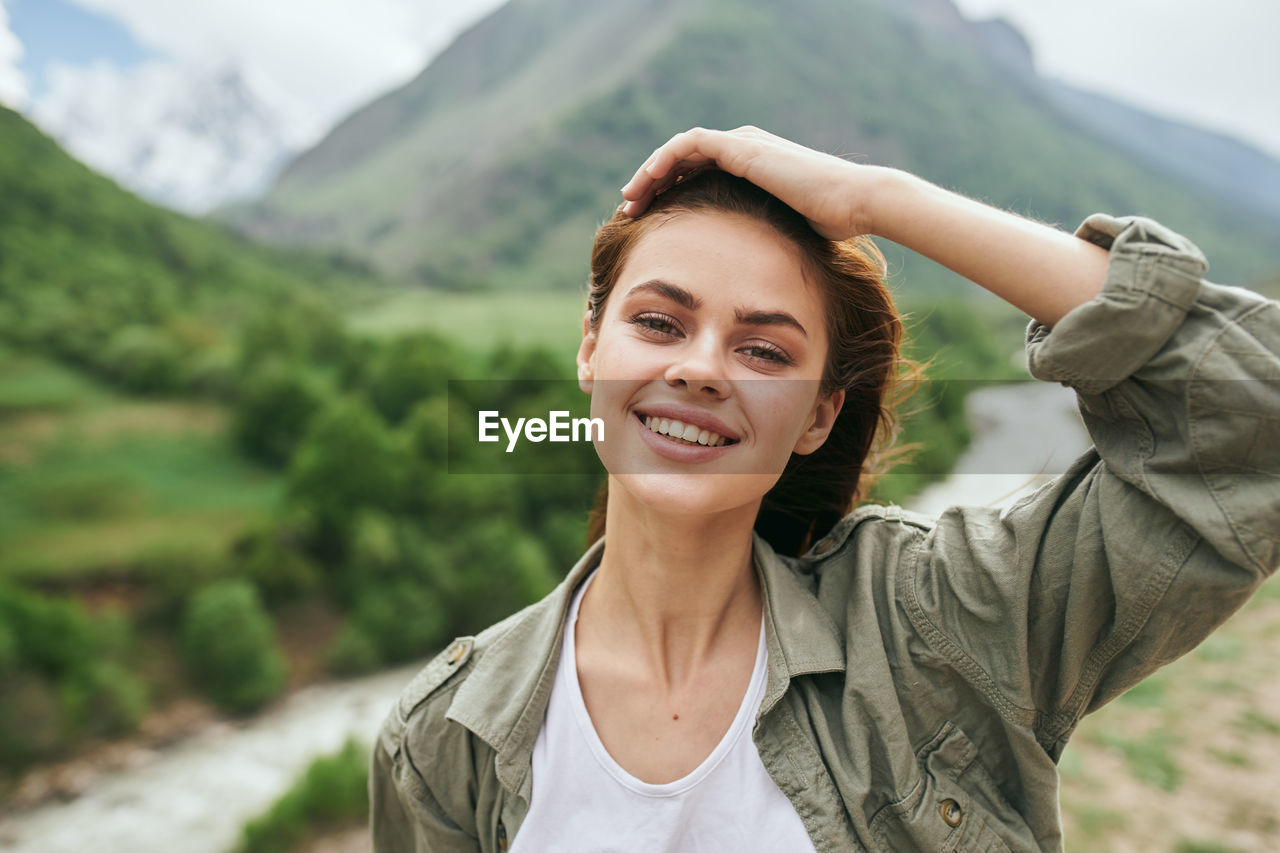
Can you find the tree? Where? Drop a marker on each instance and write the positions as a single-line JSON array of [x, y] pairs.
[[229, 644]]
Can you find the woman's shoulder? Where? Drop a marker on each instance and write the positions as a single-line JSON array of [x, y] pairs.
[[865, 526], [421, 721]]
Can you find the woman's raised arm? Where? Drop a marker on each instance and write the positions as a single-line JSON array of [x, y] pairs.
[[1041, 270]]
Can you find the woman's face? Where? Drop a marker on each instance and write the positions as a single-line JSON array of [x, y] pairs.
[[711, 323]]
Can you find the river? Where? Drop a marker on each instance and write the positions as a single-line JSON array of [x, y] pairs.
[[194, 796]]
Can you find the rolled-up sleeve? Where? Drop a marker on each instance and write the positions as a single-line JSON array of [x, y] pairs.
[[1153, 537]]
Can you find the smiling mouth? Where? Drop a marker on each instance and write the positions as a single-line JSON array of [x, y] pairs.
[[679, 432]]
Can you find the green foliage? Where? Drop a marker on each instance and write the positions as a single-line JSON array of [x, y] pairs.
[[1151, 758], [1256, 722], [495, 568], [1148, 693], [108, 701], [53, 637], [352, 652], [141, 296], [229, 645], [409, 370], [144, 359], [401, 619], [66, 676], [32, 725], [347, 460], [272, 558], [276, 403], [333, 792], [1196, 845]]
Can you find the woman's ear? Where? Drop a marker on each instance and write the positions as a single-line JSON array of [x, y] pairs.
[[586, 355], [824, 419]]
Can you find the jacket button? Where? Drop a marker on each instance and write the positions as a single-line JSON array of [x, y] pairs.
[[950, 811], [456, 651]]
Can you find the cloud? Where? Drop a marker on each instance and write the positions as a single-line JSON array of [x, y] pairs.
[[327, 57], [13, 83], [190, 138]]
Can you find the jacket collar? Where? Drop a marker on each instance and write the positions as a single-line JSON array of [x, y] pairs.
[[504, 698]]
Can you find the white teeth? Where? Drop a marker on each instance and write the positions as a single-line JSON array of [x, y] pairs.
[[684, 432]]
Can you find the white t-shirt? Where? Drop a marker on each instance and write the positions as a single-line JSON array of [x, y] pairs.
[[585, 802]]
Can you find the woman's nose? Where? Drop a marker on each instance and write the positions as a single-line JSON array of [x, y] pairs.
[[699, 365]]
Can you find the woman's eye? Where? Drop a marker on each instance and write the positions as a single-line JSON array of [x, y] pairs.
[[769, 354], [662, 325]]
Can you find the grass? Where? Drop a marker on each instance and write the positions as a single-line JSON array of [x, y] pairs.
[[1252, 721], [1192, 845], [29, 382], [1150, 693], [1150, 757], [91, 480], [331, 793], [548, 318]]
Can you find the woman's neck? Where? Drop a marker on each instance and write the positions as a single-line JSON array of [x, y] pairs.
[[674, 593]]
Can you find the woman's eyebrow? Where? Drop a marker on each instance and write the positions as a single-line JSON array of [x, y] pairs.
[[674, 292], [741, 315]]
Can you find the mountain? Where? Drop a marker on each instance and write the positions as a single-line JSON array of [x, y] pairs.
[[493, 167], [1213, 161], [94, 275], [188, 138]]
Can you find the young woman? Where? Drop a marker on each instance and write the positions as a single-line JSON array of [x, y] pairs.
[[747, 664]]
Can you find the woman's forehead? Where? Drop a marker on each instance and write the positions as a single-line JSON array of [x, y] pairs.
[[718, 256]]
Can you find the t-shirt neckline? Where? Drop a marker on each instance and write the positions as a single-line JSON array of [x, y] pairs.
[[569, 672]]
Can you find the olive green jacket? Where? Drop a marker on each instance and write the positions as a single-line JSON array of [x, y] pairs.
[[925, 674]]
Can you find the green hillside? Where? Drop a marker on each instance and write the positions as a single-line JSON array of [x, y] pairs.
[[141, 296], [492, 168]]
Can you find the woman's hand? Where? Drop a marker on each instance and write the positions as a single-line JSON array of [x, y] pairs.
[[826, 190], [1040, 269]]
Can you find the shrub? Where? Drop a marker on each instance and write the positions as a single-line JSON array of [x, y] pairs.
[[275, 406], [332, 792], [409, 370], [401, 619], [272, 559], [52, 637], [229, 644], [31, 724], [352, 652], [142, 358], [107, 700], [347, 460]]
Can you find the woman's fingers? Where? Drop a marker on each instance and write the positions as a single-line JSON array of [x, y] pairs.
[[640, 191], [823, 188], [682, 153]]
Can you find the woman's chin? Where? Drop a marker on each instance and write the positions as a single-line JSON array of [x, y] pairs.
[[695, 494]]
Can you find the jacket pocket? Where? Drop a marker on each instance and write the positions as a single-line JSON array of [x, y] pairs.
[[955, 805]]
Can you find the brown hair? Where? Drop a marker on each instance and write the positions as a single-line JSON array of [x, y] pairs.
[[863, 327]]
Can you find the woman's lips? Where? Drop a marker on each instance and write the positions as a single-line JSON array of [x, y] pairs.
[[678, 451]]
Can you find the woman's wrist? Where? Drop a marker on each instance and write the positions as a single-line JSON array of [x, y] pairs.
[[887, 199], [878, 197]]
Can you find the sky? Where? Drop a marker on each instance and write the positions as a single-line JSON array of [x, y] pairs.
[[319, 59], [1215, 64]]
